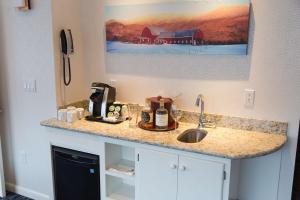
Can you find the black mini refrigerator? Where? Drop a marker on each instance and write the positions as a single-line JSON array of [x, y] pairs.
[[76, 175]]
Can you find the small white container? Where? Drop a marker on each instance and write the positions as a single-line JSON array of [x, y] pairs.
[[62, 115], [80, 113], [71, 108], [72, 116]]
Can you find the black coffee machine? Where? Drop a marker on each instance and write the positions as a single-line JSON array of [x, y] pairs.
[[102, 96]]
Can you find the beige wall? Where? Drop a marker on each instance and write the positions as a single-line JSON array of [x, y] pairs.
[[66, 14], [272, 68]]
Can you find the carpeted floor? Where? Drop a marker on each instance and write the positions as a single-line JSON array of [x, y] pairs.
[[12, 196]]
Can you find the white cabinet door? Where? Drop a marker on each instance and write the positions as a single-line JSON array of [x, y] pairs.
[[200, 179], [156, 175]]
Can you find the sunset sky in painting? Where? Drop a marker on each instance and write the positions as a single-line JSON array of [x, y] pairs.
[[182, 8]]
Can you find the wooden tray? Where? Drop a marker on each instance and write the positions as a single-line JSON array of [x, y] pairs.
[[170, 128]]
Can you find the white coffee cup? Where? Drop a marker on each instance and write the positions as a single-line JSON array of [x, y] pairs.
[[80, 113], [71, 108], [62, 115], [72, 116]]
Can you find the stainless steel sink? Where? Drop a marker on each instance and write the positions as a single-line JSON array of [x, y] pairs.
[[192, 135]]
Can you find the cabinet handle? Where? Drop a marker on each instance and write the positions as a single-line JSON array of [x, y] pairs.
[[173, 166], [182, 168]]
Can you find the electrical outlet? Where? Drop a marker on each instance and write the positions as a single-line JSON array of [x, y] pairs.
[[23, 156], [30, 86], [249, 98]]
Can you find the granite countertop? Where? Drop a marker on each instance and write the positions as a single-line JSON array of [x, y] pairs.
[[222, 142]]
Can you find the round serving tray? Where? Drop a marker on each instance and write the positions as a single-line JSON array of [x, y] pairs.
[[170, 128]]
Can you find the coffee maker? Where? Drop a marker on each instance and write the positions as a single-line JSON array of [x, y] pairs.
[[102, 96]]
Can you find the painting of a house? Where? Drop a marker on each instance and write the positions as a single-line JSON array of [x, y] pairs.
[[214, 27], [156, 35], [149, 34]]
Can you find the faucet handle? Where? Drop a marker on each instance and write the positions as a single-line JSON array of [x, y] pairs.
[[199, 98], [197, 102], [209, 122]]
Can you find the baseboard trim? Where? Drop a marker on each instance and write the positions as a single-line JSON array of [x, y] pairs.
[[26, 192]]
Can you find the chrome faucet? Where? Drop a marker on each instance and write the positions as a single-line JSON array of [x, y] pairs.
[[200, 102]]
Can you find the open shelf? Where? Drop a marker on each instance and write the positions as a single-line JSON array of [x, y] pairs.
[[123, 169], [119, 172], [119, 189], [119, 161]]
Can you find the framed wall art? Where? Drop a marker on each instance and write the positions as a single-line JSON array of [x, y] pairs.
[[179, 27]]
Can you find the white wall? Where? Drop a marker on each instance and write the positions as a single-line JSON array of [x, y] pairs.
[[26, 53], [30, 50], [272, 68]]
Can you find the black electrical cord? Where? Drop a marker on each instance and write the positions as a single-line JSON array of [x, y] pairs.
[[64, 71]]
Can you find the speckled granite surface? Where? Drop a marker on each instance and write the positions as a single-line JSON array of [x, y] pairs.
[[221, 142], [239, 123]]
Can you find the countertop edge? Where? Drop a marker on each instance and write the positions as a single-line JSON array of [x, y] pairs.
[[263, 153]]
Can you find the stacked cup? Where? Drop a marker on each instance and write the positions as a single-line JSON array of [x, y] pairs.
[[71, 114], [62, 115]]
